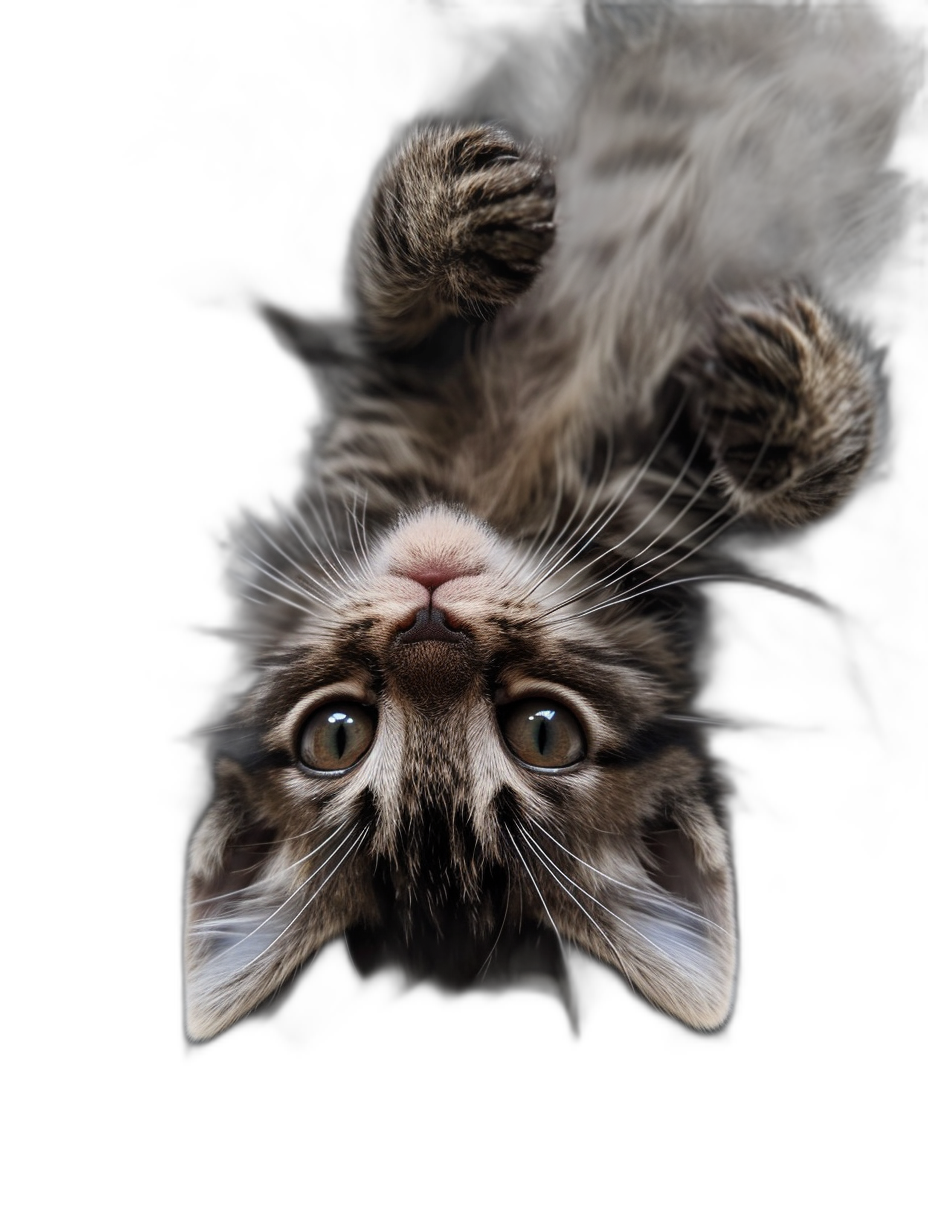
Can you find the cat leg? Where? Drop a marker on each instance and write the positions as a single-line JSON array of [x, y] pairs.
[[789, 395], [458, 224]]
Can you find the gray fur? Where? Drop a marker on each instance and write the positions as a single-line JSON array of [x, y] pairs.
[[596, 329]]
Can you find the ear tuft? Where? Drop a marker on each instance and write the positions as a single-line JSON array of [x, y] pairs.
[[669, 925], [247, 927]]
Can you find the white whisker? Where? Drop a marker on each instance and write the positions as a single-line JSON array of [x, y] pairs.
[[289, 559], [279, 598], [327, 563], [750, 579], [327, 553], [315, 850], [615, 505], [582, 498], [624, 885], [330, 535], [351, 850], [352, 526], [560, 877], [277, 575], [486, 962], [744, 725], [208, 925], [541, 897], [641, 525]]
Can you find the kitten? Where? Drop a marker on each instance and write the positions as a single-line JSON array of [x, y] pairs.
[[595, 335]]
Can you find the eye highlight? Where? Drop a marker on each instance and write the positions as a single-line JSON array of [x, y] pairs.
[[542, 733], [336, 736]]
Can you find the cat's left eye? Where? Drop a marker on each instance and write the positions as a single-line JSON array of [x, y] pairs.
[[542, 733], [336, 737]]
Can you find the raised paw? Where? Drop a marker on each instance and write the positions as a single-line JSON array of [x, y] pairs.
[[459, 224], [501, 219], [788, 394]]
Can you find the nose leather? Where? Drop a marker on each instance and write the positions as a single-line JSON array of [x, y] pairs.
[[430, 625]]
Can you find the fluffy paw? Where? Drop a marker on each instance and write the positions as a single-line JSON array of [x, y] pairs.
[[500, 218], [788, 394], [459, 225]]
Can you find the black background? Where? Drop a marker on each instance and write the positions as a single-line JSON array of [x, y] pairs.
[[239, 143]]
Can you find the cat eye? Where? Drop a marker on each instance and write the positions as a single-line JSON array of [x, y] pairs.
[[542, 733], [336, 737]]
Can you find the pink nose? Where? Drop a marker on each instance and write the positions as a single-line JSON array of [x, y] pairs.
[[431, 576]]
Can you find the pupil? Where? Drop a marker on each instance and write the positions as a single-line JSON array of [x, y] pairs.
[[542, 736], [341, 740]]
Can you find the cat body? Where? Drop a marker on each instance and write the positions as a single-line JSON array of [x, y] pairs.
[[595, 336]]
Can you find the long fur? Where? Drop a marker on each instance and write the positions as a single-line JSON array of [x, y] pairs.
[[597, 327]]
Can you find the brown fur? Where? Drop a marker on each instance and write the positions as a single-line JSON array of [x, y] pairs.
[[534, 449]]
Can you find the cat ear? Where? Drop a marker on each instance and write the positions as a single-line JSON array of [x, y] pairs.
[[672, 930], [317, 343], [247, 929]]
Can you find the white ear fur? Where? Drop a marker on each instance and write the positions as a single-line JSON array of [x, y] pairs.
[[684, 965], [249, 923], [674, 936]]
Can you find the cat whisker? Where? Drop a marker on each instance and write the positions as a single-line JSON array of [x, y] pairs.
[[541, 897], [641, 525], [636, 891], [207, 927], [540, 537], [614, 507], [730, 500], [279, 598], [555, 874], [278, 575], [357, 547], [243, 637], [275, 545], [574, 544], [365, 541], [622, 572], [484, 966], [746, 725], [351, 850], [255, 886], [749, 579], [335, 554], [774, 584], [591, 502], [331, 535], [262, 845], [539, 553], [628, 568], [327, 563], [315, 850]]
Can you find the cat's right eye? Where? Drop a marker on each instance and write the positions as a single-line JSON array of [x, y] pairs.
[[542, 733], [336, 736]]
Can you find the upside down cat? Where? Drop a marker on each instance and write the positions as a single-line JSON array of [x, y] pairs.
[[595, 334]]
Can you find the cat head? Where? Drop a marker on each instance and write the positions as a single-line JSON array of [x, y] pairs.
[[439, 750]]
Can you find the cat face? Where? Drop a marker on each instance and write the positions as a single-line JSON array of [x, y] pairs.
[[434, 758]]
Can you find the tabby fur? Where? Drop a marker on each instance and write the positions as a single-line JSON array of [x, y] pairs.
[[596, 334]]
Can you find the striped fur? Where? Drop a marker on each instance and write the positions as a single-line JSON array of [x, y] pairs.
[[596, 331]]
